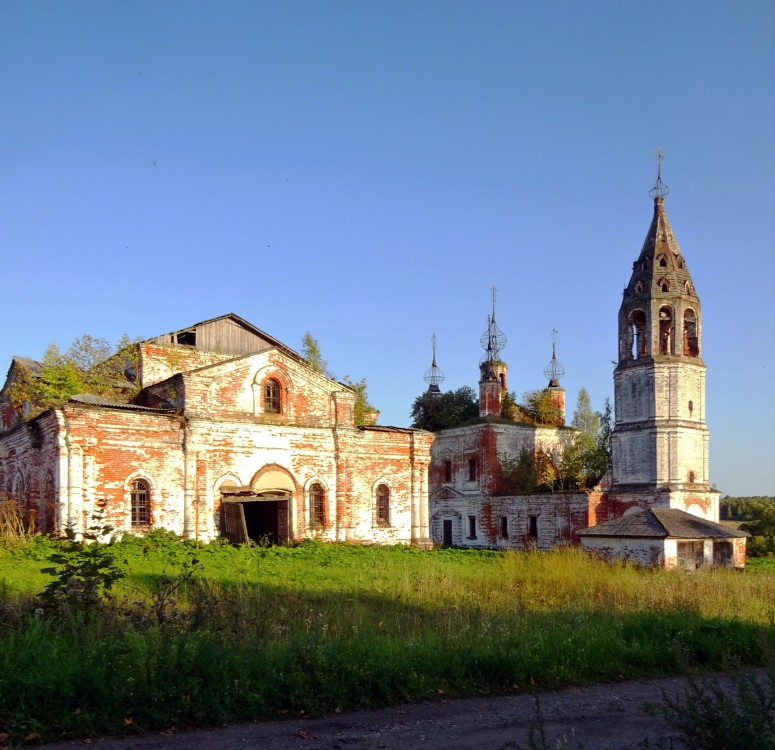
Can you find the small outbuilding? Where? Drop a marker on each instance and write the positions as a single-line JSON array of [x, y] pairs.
[[667, 538]]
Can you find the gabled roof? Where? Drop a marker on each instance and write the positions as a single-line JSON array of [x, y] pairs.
[[28, 364], [662, 523], [273, 342]]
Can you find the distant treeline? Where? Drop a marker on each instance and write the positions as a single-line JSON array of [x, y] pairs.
[[743, 508], [758, 517]]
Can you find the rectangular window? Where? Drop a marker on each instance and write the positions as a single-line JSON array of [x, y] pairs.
[[471, 469], [448, 471], [472, 527], [532, 527], [504, 528]]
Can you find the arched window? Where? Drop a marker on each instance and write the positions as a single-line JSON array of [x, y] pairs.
[[691, 341], [665, 330], [662, 261], [383, 505], [691, 476], [638, 287], [140, 495], [664, 284], [317, 507], [679, 261], [272, 396]]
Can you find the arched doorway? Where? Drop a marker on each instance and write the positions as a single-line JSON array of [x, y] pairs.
[[260, 513]]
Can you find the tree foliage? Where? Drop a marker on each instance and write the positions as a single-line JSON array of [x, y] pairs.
[[364, 412], [310, 350], [541, 407], [434, 411], [758, 516], [90, 365], [578, 463]]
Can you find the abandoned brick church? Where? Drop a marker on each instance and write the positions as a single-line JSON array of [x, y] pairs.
[[233, 433], [656, 505]]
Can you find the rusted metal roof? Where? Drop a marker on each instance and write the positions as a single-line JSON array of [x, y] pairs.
[[91, 400], [661, 523]]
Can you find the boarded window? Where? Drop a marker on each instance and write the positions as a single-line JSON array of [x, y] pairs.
[[690, 555], [723, 553], [383, 505], [140, 495]]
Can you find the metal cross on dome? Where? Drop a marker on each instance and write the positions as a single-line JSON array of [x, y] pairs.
[[493, 339]]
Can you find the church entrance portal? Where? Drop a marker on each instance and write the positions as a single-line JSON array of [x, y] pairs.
[[258, 520]]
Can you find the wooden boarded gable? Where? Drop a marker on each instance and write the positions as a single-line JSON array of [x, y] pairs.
[[227, 334]]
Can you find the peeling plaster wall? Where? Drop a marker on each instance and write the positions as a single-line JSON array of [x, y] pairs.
[[223, 433], [558, 518]]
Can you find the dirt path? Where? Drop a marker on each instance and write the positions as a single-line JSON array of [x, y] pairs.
[[600, 717]]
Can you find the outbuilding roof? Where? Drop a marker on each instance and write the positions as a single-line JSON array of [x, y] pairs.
[[661, 523]]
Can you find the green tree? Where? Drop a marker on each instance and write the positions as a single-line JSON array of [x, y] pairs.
[[90, 365], [364, 412], [310, 350], [509, 407], [433, 411], [541, 407], [593, 443], [762, 529]]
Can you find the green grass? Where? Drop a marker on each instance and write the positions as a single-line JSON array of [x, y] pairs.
[[265, 633]]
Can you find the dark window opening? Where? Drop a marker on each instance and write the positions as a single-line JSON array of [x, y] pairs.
[[637, 345], [691, 408], [532, 527], [691, 476], [272, 396], [504, 527], [447, 471], [664, 285], [383, 505], [472, 527], [691, 341], [680, 261], [317, 509], [471, 469], [662, 261], [187, 338], [140, 493], [665, 330]]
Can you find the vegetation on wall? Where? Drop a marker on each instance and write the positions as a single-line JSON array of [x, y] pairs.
[[90, 365], [364, 412], [440, 411], [580, 463], [540, 406]]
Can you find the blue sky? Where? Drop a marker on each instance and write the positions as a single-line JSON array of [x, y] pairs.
[[366, 171]]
